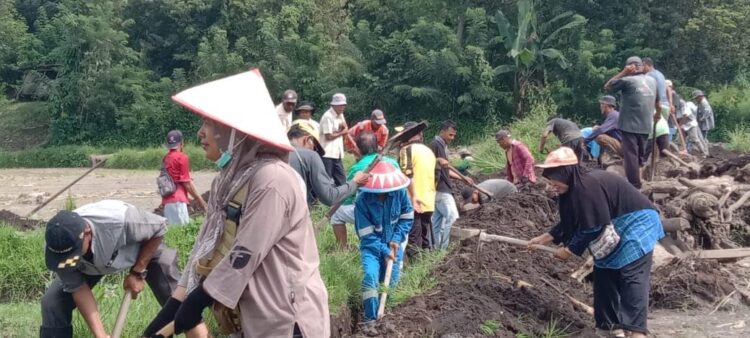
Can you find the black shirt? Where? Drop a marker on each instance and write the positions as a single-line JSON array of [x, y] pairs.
[[440, 148]]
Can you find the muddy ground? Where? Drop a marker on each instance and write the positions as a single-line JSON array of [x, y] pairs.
[[503, 290], [21, 190]]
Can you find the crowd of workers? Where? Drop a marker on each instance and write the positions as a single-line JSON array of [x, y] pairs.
[[255, 260]]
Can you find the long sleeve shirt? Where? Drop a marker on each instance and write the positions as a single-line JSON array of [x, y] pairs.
[[705, 115], [520, 163], [381, 222], [309, 165], [609, 127]]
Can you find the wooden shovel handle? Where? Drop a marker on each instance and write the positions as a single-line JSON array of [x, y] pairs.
[[122, 314], [386, 283]]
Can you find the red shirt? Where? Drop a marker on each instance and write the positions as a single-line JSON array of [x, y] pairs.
[[520, 163], [178, 167], [381, 133]]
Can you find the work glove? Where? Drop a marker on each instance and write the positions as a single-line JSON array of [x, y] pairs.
[[189, 314], [164, 317]]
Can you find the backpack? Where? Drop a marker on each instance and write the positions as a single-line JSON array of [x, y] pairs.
[[164, 183]]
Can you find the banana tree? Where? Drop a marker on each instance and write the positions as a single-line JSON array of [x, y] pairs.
[[529, 45]]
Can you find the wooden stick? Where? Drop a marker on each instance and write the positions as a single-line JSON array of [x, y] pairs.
[[722, 253], [679, 131], [722, 201], [65, 188], [386, 283], [496, 238], [122, 314], [577, 303], [739, 203], [584, 270], [691, 166], [466, 180], [654, 153]]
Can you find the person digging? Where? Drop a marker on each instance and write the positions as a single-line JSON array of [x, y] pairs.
[[95, 240], [601, 211], [383, 217]]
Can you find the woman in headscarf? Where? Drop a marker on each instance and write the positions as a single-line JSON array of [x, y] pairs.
[[604, 213], [255, 261]]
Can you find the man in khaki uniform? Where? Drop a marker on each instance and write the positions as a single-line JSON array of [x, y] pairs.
[[255, 260]]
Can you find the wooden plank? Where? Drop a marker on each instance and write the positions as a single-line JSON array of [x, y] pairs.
[[722, 253]]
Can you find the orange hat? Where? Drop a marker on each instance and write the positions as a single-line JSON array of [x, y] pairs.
[[559, 157], [385, 178]]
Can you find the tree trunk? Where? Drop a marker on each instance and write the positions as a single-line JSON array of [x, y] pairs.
[[460, 30]]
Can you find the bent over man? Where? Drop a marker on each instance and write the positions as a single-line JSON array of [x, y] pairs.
[[383, 217], [95, 240]]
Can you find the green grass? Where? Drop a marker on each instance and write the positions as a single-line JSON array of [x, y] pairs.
[[739, 138], [23, 278], [489, 327]]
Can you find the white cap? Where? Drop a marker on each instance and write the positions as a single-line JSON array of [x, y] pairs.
[[338, 99], [241, 102]]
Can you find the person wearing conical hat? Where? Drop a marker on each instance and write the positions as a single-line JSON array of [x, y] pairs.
[[383, 217], [255, 262], [600, 211]]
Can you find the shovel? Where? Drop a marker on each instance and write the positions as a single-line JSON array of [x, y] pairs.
[[122, 314], [692, 166], [386, 283], [65, 188]]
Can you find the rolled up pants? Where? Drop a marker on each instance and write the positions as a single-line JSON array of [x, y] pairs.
[[58, 305], [446, 213], [609, 143], [373, 266]]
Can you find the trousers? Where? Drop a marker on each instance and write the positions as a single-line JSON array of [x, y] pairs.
[[446, 213], [373, 266], [609, 143], [633, 150], [335, 168], [58, 305], [420, 235], [621, 296]]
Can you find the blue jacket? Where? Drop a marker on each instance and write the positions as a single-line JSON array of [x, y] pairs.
[[380, 222]]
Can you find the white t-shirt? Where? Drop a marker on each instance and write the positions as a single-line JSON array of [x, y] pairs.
[[690, 112], [284, 117], [329, 124]]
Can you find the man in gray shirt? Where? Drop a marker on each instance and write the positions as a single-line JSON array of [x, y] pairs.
[[567, 132], [499, 188], [306, 161], [100, 239], [638, 112]]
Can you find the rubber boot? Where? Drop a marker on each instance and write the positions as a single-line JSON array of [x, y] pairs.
[[339, 231]]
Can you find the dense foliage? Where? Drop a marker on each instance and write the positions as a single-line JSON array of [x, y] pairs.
[[106, 69]]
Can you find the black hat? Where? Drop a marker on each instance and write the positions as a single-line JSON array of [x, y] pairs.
[[64, 240], [174, 138]]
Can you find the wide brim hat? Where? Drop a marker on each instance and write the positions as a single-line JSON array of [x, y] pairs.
[[384, 178], [241, 102], [308, 128], [559, 157], [697, 93]]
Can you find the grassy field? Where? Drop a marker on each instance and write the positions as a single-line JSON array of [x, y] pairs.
[[23, 279]]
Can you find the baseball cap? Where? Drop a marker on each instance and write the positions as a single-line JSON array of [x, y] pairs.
[[338, 99], [174, 138], [608, 99], [289, 96], [502, 134], [307, 128], [64, 240], [634, 60], [378, 116]]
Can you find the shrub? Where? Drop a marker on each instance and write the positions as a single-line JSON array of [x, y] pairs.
[[739, 138], [55, 157], [150, 158]]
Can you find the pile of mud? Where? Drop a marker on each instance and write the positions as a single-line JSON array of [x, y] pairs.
[[689, 283], [505, 285], [19, 222]]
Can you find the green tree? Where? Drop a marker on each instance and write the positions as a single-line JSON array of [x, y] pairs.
[[530, 45], [17, 45]]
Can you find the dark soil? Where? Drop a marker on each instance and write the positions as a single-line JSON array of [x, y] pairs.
[[8, 217], [724, 162], [475, 289], [689, 283]]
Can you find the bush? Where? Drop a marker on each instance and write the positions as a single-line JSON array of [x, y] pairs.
[[739, 138], [150, 158], [731, 105], [55, 157]]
